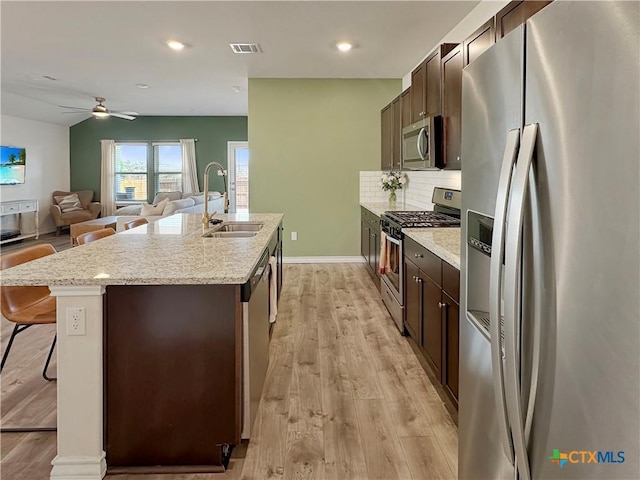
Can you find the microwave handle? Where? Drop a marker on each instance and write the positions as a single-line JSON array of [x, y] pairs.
[[418, 143]]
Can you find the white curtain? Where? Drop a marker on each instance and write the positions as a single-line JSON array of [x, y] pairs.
[[107, 180], [189, 170]]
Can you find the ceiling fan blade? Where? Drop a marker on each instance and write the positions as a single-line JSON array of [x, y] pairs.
[[122, 115], [134, 114], [76, 112], [76, 108]]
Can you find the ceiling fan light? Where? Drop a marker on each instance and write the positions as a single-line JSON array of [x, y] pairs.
[[100, 112]]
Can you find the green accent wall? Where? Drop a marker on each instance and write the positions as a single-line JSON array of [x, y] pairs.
[[308, 141], [212, 133]]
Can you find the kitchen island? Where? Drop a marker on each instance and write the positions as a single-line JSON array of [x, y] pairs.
[[156, 378]]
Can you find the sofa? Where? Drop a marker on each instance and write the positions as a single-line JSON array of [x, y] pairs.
[[65, 212], [170, 203]]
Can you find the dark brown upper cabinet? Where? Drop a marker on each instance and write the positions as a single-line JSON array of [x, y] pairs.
[[476, 43], [396, 132], [515, 14], [426, 95], [405, 100], [386, 133], [452, 107], [418, 94]]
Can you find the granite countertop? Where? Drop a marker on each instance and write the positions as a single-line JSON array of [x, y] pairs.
[[380, 207], [170, 251], [444, 242]]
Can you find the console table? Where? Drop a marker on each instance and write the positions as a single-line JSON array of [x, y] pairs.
[[18, 207]]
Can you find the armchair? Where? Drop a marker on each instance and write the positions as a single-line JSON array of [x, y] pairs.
[[90, 210]]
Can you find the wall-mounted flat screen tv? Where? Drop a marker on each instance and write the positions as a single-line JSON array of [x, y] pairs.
[[12, 165]]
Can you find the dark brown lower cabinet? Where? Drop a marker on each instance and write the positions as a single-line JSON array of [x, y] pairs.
[[413, 309], [432, 325], [370, 242], [431, 313], [451, 324]]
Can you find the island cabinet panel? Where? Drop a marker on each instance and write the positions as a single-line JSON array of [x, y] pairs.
[[173, 366]]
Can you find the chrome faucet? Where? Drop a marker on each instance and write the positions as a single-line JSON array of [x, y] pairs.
[[206, 217]]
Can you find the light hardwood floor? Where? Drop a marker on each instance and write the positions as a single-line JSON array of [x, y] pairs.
[[345, 396]]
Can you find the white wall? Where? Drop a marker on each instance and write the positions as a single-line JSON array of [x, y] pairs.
[[47, 167], [476, 17]]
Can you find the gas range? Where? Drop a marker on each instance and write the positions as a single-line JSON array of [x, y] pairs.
[[446, 213], [418, 219]]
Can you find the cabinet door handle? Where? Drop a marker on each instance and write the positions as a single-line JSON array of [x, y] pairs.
[[418, 255], [442, 305]]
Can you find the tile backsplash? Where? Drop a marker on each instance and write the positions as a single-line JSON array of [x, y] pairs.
[[418, 190]]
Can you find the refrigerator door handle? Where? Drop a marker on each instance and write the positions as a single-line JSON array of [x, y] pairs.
[[512, 301], [495, 288], [538, 287]]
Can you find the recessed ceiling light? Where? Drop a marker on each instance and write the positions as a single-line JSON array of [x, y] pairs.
[[236, 88], [344, 46], [142, 85], [175, 45]]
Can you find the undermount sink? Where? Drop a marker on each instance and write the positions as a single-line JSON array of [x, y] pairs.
[[227, 234], [241, 227], [234, 230]]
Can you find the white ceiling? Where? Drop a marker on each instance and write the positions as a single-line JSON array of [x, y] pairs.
[[106, 48]]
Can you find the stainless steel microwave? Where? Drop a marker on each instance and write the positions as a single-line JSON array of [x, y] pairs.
[[422, 144]]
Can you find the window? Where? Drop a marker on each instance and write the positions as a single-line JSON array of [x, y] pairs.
[[131, 172], [144, 169], [168, 167]]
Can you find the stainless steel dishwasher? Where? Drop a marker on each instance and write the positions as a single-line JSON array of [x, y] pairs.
[[255, 358]]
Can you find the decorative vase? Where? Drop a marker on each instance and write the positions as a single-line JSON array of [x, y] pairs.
[[392, 198]]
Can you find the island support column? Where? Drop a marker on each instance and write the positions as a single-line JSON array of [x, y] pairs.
[[80, 452]]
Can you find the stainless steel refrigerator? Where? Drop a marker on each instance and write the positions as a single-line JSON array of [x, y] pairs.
[[550, 322]]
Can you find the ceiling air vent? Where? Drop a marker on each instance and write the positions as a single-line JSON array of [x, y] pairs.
[[245, 48]]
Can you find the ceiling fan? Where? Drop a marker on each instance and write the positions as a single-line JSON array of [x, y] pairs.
[[100, 111]]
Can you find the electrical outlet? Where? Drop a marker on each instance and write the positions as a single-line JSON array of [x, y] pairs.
[[76, 321], [294, 235]]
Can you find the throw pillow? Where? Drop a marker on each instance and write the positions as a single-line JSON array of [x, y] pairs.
[[69, 203], [176, 205], [146, 209]]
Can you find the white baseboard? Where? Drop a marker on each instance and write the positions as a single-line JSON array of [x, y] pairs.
[[357, 259]]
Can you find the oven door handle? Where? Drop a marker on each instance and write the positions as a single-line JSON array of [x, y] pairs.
[[392, 240]]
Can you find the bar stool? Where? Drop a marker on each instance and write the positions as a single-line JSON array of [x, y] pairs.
[[95, 235], [135, 223], [27, 306]]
